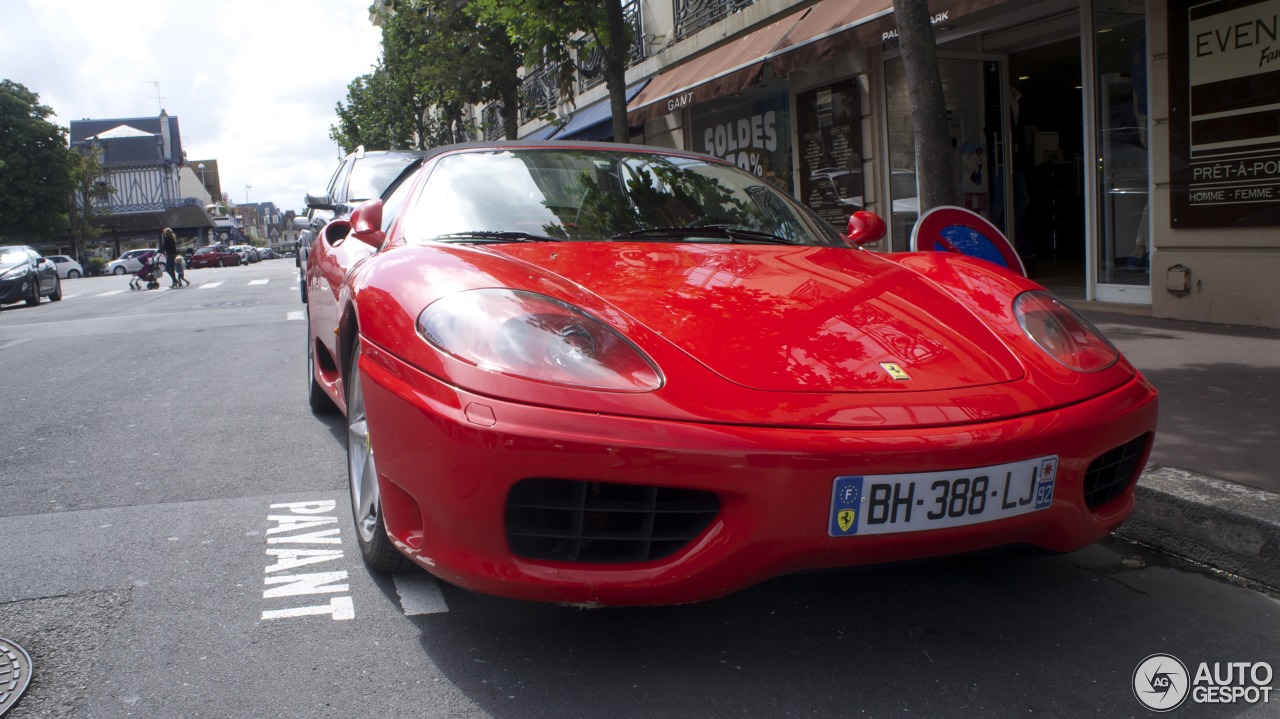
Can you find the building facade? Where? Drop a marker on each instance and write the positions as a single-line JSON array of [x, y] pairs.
[[143, 161], [1130, 149]]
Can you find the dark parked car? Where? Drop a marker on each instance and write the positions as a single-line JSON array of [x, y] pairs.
[[360, 176], [26, 276], [214, 256]]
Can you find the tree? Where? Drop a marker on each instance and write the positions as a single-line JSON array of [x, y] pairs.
[[89, 188], [36, 163], [438, 57], [559, 32], [375, 115], [935, 174]]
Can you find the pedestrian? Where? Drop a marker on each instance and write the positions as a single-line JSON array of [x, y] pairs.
[[181, 266], [169, 248]]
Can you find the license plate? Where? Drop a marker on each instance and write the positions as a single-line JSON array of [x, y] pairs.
[[880, 504]]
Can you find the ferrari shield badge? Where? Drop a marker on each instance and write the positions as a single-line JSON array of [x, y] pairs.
[[845, 519], [895, 371]]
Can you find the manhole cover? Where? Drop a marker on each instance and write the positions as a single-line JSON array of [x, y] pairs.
[[15, 674]]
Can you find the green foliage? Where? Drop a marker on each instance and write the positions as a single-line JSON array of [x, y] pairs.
[[437, 58], [557, 33], [37, 178], [376, 115]]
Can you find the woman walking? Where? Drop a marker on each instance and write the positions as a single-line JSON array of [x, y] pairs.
[[169, 248]]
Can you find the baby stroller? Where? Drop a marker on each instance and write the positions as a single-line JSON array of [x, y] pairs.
[[149, 273]]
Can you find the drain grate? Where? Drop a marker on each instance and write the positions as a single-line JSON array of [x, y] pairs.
[[15, 674]]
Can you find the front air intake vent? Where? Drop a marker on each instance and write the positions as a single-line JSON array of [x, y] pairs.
[[577, 521], [1112, 473]]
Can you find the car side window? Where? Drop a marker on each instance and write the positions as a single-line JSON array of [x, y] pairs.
[[392, 204], [338, 190]]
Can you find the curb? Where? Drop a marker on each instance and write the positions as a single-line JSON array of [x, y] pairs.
[[1227, 526]]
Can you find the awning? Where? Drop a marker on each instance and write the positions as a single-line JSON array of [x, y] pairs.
[[839, 27], [541, 133], [724, 70], [812, 36], [830, 29], [595, 121]]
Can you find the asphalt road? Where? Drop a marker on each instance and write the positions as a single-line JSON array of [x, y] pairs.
[[160, 470]]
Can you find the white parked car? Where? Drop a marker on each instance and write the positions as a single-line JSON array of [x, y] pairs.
[[127, 263], [68, 269]]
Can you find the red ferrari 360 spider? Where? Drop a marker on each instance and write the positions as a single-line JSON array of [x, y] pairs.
[[611, 374]]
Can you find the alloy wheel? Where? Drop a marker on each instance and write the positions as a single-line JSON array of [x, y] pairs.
[[362, 471]]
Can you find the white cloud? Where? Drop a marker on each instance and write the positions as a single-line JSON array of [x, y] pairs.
[[253, 83]]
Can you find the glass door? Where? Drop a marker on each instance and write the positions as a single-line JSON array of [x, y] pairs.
[[1122, 185]]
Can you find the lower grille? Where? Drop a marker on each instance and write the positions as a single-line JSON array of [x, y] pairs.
[[576, 521], [1109, 475]]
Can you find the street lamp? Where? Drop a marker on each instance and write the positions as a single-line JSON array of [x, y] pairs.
[[204, 182], [247, 187]]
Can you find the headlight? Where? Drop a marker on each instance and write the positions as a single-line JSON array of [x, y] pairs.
[[1063, 332], [536, 337], [15, 272]]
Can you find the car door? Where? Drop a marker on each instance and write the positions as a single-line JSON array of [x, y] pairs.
[[46, 271]]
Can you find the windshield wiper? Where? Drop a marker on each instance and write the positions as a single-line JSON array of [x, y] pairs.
[[497, 236], [733, 234]]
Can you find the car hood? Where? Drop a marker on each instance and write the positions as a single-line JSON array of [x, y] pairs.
[[789, 319], [6, 266]]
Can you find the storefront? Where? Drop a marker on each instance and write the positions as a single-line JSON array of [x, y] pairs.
[[1130, 149], [1032, 90]]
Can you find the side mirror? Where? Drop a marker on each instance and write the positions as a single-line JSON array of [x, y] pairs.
[[319, 201], [301, 223], [865, 228], [366, 224]]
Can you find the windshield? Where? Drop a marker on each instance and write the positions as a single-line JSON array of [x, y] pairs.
[[372, 174], [11, 255], [596, 195]]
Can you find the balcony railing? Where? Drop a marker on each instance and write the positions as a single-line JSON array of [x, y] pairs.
[[539, 94], [694, 15], [591, 65], [491, 121]]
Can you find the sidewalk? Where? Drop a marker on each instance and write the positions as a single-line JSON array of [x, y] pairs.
[[1211, 492]]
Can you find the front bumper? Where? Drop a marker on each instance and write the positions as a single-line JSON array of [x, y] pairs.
[[448, 458], [15, 290]]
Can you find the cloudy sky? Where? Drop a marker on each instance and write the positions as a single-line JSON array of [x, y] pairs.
[[253, 83]]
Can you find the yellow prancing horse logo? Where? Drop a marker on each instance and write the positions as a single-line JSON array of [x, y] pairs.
[[895, 371], [845, 518]]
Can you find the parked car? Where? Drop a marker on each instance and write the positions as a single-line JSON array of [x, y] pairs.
[[593, 374], [26, 276], [68, 269], [213, 256], [248, 253], [127, 263], [360, 176]]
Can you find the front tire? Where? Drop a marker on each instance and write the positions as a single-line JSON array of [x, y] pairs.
[[362, 476], [72, 275], [57, 292], [34, 299], [119, 270]]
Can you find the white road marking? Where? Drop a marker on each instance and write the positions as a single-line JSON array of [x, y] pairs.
[[338, 607], [296, 315], [112, 292], [419, 594], [208, 285], [67, 297], [259, 282]]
